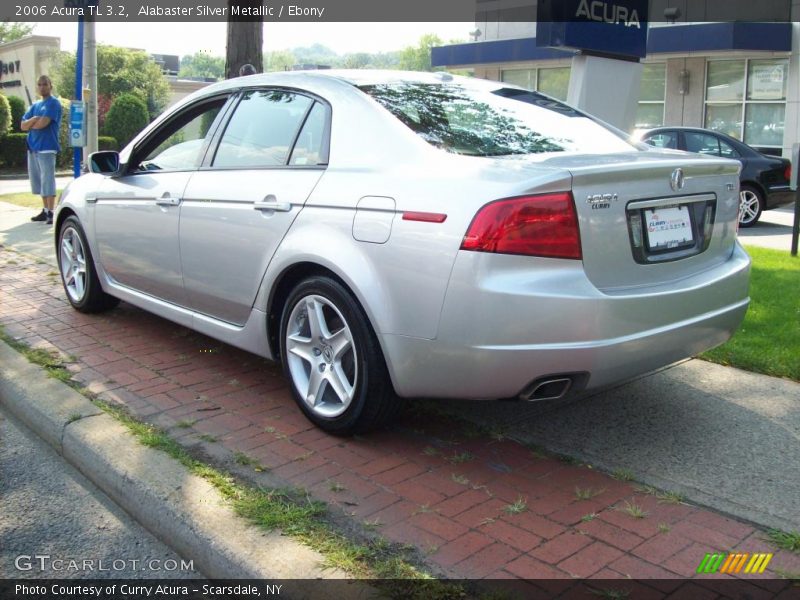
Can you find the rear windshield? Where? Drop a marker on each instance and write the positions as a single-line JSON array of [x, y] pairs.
[[501, 122]]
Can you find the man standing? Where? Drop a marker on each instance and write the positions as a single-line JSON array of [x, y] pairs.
[[41, 122]]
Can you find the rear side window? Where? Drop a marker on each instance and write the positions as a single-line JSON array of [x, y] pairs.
[[702, 143], [727, 150], [262, 129], [308, 150], [462, 120]]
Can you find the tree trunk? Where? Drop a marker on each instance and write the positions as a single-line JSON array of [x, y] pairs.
[[245, 38]]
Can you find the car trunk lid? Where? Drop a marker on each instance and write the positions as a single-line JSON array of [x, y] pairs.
[[650, 217]]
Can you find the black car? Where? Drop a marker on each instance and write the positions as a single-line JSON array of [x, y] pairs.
[[764, 179]]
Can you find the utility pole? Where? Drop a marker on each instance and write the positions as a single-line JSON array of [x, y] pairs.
[[90, 85], [77, 151]]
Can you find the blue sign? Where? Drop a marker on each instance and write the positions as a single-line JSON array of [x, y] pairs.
[[616, 28], [77, 124]]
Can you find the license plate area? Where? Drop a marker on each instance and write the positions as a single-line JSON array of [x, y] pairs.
[[667, 229]]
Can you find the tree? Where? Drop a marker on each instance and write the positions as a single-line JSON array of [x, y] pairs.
[[126, 118], [13, 31], [280, 60], [245, 37], [357, 60], [119, 71], [418, 58], [202, 64]]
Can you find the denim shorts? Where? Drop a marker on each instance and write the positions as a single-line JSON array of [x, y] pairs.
[[42, 173]]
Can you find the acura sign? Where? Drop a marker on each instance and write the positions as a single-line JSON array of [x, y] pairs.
[[616, 28]]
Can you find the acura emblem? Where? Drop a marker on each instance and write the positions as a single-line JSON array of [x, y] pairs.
[[676, 180]]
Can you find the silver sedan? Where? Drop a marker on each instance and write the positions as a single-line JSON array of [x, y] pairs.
[[390, 235]]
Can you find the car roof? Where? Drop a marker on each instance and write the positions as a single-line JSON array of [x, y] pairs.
[[352, 77]]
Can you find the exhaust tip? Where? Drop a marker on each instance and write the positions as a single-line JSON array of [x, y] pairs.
[[551, 388]]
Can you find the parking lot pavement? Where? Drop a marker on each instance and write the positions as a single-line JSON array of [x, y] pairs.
[[773, 230], [476, 504]]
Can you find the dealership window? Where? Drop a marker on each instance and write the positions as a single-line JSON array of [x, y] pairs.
[[747, 99], [553, 81], [652, 91]]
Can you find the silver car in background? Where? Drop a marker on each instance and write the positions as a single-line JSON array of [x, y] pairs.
[[390, 235]]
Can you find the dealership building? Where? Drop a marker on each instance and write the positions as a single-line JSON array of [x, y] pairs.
[[742, 78]]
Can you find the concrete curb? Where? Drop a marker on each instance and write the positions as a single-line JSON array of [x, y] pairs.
[[182, 510]]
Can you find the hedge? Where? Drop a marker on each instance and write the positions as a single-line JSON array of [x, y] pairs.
[[126, 118], [18, 109], [14, 149], [5, 116], [106, 142], [64, 159]]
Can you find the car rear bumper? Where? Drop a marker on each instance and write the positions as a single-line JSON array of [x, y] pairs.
[[505, 327], [779, 197]]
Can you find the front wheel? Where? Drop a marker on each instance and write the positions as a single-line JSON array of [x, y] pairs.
[[78, 274], [751, 203], [332, 359]]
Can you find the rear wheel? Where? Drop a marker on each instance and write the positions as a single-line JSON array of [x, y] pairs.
[[77, 270], [332, 359], [751, 203]]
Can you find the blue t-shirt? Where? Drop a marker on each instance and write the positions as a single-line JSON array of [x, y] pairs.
[[47, 138]]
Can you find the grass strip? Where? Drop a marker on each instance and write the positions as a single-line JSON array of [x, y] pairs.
[[787, 540], [768, 340], [292, 511], [25, 199]]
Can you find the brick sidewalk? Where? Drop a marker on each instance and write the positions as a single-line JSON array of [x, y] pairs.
[[475, 504]]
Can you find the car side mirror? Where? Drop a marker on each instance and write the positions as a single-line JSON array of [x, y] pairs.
[[104, 162]]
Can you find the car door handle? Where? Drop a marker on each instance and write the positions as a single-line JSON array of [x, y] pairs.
[[272, 205], [167, 200]]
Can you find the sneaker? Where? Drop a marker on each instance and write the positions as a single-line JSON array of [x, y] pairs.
[[42, 216], [49, 217]]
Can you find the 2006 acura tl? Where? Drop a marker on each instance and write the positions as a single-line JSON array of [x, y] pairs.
[[392, 235]]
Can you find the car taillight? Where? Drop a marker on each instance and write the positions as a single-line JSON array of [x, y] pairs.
[[542, 225], [787, 173]]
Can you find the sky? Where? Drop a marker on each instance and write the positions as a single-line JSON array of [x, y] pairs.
[[188, 38]]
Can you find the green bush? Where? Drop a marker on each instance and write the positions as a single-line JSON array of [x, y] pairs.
[[127, 117], [14, 150], [64, 158], [18, 109], [5, 116], [106, 142]]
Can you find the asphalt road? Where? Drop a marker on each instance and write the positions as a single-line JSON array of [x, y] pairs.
[[724, 438], [773, 230], [51, 511]]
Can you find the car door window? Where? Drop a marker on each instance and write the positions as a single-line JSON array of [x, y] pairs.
[[702, 143], [179, 145], [262, 130], [309, 147], [727, 150], [666, 139]]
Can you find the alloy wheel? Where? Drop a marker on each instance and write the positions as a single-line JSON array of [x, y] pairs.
[[322, 356], [749, 206], [73, 264]]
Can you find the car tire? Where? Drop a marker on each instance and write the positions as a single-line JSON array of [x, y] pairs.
[[78, 274], [751, 204], [333, 361]]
